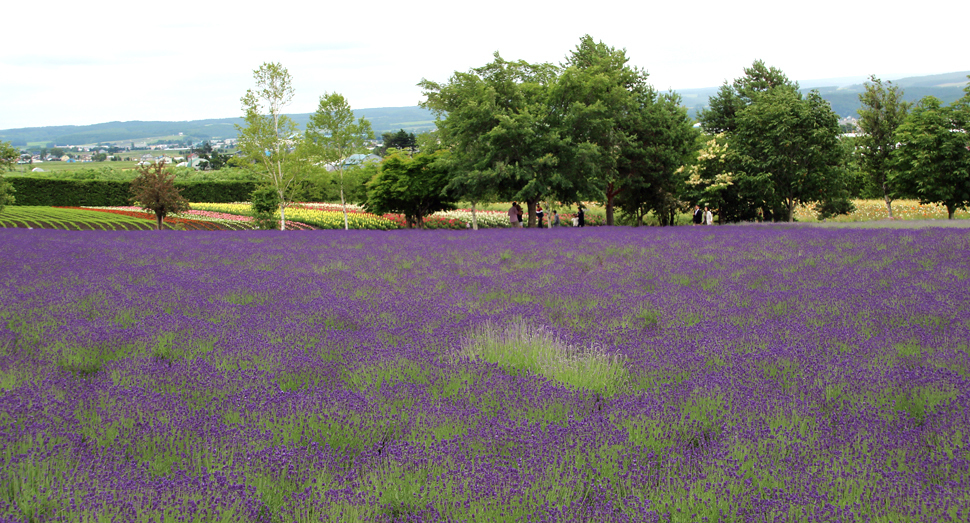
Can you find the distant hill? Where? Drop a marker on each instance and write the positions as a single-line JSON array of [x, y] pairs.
[[947, 87], [844, 99], [382, 119]]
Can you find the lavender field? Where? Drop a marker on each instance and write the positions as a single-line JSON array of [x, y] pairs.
[[681, 374]]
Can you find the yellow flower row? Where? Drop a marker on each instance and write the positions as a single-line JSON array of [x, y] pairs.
[[316, 218], [866, 210]]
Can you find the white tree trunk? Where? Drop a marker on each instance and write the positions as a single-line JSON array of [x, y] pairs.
[[474, 218], [343, 204]]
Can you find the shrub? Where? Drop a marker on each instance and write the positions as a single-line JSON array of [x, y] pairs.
[[109, 193], [265, 204]]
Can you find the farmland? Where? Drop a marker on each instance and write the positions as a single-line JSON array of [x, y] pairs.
[[741, 373]]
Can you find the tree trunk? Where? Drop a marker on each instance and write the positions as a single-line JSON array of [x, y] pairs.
[[342, 202], [279, 167], [531, 204], [474, 218], [950, 210], [889, 201], [790, 209], [611, 192], [158, 220], [344, 205]]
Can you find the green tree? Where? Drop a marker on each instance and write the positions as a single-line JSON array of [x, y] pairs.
[[269, 138], [401, 140], [333, 135], [412, 186], [711, 182], [495, 120], [662, 140], [934, 153], [57, 152], [8, 158], [722, 113], [883, 111], [790, 146], [154, 190], [602, 101]]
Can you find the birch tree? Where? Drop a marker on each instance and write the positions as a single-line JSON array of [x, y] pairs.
[[269, 138], [333, 135]]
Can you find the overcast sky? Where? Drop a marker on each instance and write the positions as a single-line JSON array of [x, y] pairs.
[[78, 63]]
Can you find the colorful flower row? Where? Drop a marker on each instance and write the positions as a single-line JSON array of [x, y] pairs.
[[310, 217], [867, 210], [170, 220]]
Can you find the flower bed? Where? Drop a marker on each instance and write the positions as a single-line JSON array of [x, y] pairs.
[[172, 220], [869, 210], [765, 373], [308, 217]]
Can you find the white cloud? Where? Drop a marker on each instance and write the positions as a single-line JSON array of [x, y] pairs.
[[98, 61]]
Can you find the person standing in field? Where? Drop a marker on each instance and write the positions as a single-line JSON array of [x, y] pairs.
[[581, 215], [514, 215], [518, 213], [539, 214], [698, 215], [708, 216], [554, 219]]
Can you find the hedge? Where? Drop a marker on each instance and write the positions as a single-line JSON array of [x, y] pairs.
[[72, 193]]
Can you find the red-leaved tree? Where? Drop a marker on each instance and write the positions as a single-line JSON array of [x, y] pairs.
[[154, 190]]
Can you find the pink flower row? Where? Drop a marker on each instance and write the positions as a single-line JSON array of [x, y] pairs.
[[220, 216]]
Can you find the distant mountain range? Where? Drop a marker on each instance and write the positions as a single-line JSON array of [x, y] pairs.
[[382, 119], [842, 93]]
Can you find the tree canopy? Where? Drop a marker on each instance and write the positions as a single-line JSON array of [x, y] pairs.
[[413, 186], [883, 111], [269, 138], [154, 190], [934, 153], [8, 157], [333, 135], [495, 120]]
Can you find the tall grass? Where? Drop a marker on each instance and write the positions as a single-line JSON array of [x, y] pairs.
[[520, 347]]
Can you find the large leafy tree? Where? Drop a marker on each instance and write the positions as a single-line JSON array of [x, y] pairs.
[[496, 122], [934, 153], [413, 186], [662, 139], [8, 157], [722, 113], [600, 103], [782, 148], [711, 182], [790, 146], [154, 190], [269, 138], [883, 111], [333, 135]]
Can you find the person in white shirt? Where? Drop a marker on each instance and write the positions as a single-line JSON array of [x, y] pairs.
[[708, 216]]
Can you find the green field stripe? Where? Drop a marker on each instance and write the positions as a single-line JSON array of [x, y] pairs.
[[76, 218]]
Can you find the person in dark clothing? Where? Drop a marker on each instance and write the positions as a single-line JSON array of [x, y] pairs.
[[698, 215], [539, 214], [582, 216], [518, 211]]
